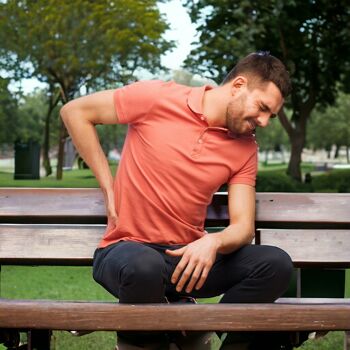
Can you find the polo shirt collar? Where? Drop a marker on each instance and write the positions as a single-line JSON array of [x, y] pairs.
[[195, 103], [195, 98]]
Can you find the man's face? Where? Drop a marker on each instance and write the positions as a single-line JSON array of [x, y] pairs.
[[252, 106]]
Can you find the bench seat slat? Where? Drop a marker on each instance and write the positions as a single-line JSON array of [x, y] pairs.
[[228, 317]]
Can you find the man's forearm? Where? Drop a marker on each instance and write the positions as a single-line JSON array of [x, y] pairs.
[[86, 141], [233, 237]]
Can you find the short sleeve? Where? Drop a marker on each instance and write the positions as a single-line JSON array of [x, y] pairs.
[[247, 174], [133, 102]]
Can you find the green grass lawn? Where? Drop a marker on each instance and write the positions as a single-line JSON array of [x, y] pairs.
[[71, 178], [85, 178], [305, 167]]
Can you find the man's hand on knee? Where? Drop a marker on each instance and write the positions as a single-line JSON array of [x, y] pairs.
[[197, 258]]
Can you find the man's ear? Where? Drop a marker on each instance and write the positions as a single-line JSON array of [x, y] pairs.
[[237, 83]]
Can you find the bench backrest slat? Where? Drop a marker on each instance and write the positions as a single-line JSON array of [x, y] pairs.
[[70, 205], [52, 205], [311, 247], [49, 244], [48, 235], [75, 244]]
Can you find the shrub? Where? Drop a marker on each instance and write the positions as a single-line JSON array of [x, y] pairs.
[[335, 181], [277, 181], [272, 181]]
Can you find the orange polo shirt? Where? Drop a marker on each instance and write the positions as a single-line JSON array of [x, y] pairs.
[[172, 163]]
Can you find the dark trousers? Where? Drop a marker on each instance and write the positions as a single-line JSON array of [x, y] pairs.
[[141, 273]]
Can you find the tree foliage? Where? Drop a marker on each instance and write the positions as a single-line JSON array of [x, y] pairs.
[[273, 137], [8, 113], [31, 117], [69, 44], [311, 37], [331, 126], [76, 43]]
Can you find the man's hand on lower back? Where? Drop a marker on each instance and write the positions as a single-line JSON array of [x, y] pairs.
[[197, 258], [112, 217], [112, 222]]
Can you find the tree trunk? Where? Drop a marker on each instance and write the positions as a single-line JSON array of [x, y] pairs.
[[347, 154], [336, 154], [65, 97], [60, 154], [46, 144], [297, 137], [266, 156], [283, 155], [297, 144]]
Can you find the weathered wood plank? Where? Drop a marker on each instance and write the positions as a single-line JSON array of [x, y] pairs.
[[75, 244], [65, 244], [87, 205], [311, 246], [321, 208], [52, 205], [228, 317], [315, 301]]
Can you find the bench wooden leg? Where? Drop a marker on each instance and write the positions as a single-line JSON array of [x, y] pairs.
[[347, 340], [39, 339], [9, 338]]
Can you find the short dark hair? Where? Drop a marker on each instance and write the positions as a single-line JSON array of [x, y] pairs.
[[265, 68]]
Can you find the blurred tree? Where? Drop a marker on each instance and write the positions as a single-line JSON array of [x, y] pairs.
[[53, 100], [31, 118], [273, 138], [311, 37], [8, 113], [74, 43], [33, 122], [331, 126], [112, 136], [184, 77]]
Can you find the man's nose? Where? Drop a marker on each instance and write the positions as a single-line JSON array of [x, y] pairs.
[[263, 120]]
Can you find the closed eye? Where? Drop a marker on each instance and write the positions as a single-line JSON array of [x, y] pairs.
[[265, 108]]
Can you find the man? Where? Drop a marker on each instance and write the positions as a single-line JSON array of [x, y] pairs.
[[182, 144]]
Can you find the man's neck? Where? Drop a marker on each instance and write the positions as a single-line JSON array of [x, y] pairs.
[[215, 105]]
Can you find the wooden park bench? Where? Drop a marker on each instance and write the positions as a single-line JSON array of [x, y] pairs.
[[64, 226]]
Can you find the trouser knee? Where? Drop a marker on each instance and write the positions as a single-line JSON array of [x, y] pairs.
[[278, 267], [132, 272], [144, 276]]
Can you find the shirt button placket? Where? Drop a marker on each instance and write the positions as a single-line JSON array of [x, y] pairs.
[[199, 145]]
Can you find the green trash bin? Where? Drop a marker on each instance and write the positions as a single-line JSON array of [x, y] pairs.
[[27, 160]]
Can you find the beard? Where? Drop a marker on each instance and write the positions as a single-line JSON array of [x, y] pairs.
[[236, 122]]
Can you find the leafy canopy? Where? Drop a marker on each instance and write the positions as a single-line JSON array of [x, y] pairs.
[[310, 36], [80, 42]]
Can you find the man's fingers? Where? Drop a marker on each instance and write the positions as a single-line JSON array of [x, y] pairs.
[[194, 278], [178, 270], [186, 274], [203, 277], [112, 223], [175, 252]]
